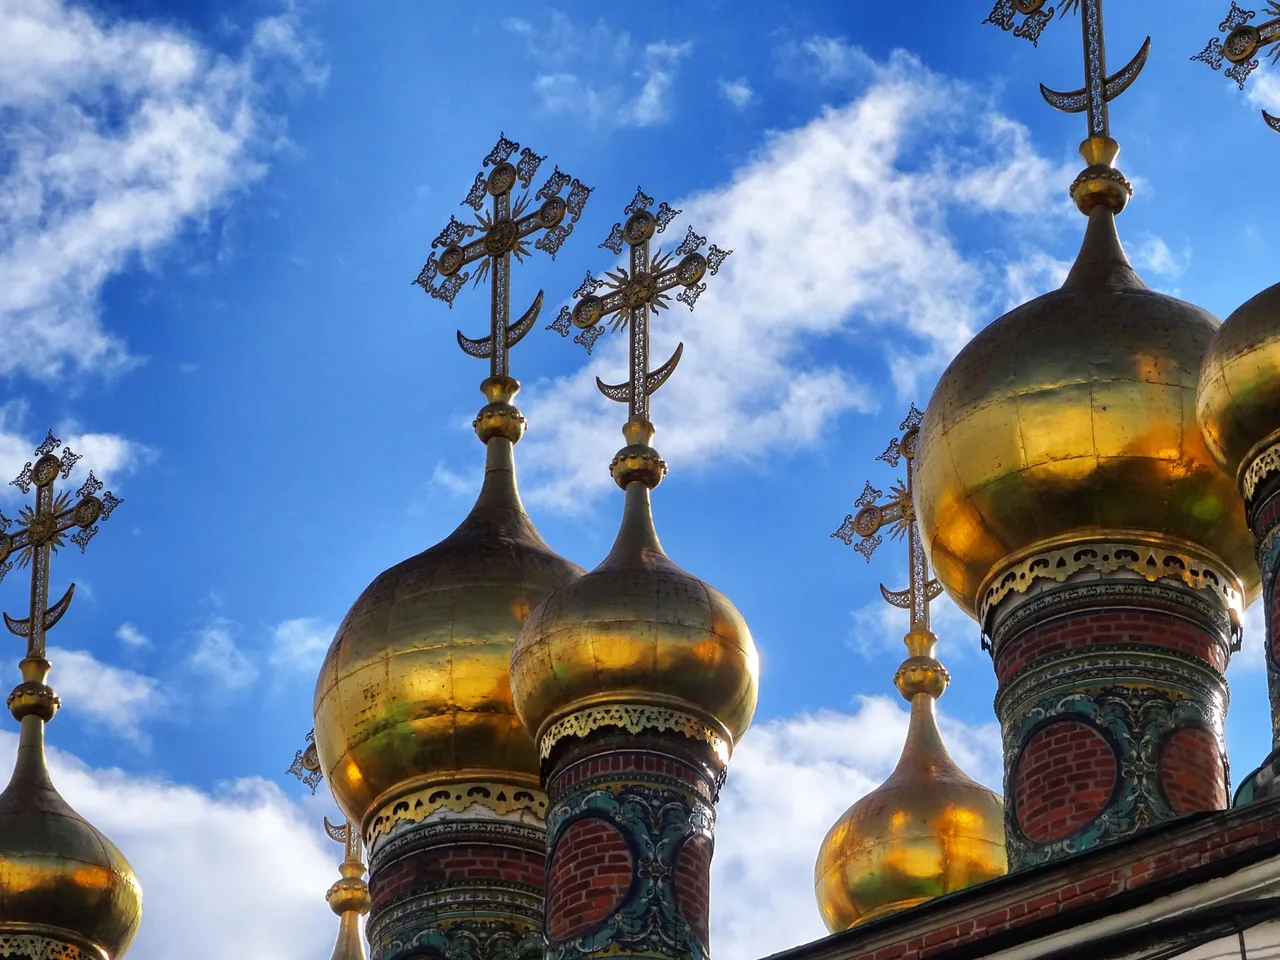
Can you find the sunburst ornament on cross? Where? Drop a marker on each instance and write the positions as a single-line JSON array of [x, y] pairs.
[[43, 529], [505, 231], [1244, 39], [898, 514]]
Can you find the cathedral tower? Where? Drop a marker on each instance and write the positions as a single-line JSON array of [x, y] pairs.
[[637, 679], [1069, 503]]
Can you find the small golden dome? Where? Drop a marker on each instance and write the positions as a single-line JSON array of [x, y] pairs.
[[1074, 416], [60, 878], [928, 830], [416, 686], [1238, 401], [636, 630]]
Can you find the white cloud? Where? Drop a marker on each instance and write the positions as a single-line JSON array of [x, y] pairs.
[[878, 629], [737, 92], [597, 74], [114, 698], [837, 232], [217, 655], [300, 644], [1150, 253], [131, 636], [788, 783], [237, 872], [1264, 91], [117, 133], [1035, 274], [827, 60]]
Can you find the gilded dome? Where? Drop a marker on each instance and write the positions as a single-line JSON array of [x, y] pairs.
[[416, 686], [637, 630], [1073, 416], [928, 830], [1238, 403], [60, 878]]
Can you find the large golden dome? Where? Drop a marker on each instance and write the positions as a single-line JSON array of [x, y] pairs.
[[415, 688], [637, 630], [60, 878], [928, 830], [1074, 416], [1238, 403]]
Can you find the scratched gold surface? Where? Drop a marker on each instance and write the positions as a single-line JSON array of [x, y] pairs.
[[637, 629], [416, 684], [1238, 401], [1075, 413]]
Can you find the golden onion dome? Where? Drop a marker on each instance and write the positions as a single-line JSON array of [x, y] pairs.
[[1070, 417], [415, 688], [1238, 401], [637, 630], [63, 885], [928, 830]]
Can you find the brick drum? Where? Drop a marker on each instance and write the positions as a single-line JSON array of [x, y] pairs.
[[463, 861], [1064, 778], [1192, 773], [589, 878], [693, 883]]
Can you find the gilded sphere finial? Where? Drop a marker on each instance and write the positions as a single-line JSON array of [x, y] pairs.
[[638, 461], [1100, 184], [499, 417]]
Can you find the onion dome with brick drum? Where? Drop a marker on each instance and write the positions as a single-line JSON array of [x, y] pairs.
[[929, 829], [415, 689]]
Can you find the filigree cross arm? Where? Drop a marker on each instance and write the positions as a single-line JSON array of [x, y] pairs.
[[306, 764], [499, 234], [45, 527], [633, 293], [347, 835], [1243, 41]]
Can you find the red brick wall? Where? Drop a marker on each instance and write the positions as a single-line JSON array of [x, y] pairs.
[[1151, 627], [590, 875], [1192, 773], [465, 861], [619, 763], [1063, 779], [693, 885]]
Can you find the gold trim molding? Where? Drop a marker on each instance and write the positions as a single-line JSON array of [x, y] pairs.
[[502, 798], [35, 947], [1261, 465], [634, 718], [1152, 561]]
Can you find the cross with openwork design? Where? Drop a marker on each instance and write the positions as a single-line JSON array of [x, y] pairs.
[[633, 294], [504, 232], [306, 764], [899, 514], [1243, 41], [43, 530], [1099, 89], [348, 836]]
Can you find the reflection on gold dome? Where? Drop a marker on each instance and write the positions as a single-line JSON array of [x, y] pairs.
[[416, 684], [1073, 416], [1238, 402]]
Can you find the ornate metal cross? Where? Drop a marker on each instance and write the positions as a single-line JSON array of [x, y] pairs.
[[306, 764], [42, 531], [346, 835], [898, 513], [633, 294], [1099, 89], [504, 232], [1243, 41]]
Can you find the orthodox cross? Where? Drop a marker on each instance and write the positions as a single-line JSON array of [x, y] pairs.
[[504, 232], [346, 835], [1243, 41], [306, 764], [42, 531], [633, 294], [898, 513], [1099, 89]]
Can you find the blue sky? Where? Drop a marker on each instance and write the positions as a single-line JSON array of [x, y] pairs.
[[211, 216]]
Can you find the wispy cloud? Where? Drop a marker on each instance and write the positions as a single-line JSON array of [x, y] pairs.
[[216, 654], [116, 133], [131, 636], [597, 74], [299, 645], [115, 699], [737, 92]]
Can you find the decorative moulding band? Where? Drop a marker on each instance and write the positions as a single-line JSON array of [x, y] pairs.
[[634, 718], [502, 798], [35, 947], [1151, 560], [1260, 465]]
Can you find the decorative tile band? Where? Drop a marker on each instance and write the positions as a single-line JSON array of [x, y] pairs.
[[634, 718], [502, 798], [1260, 467], [34, 947]]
